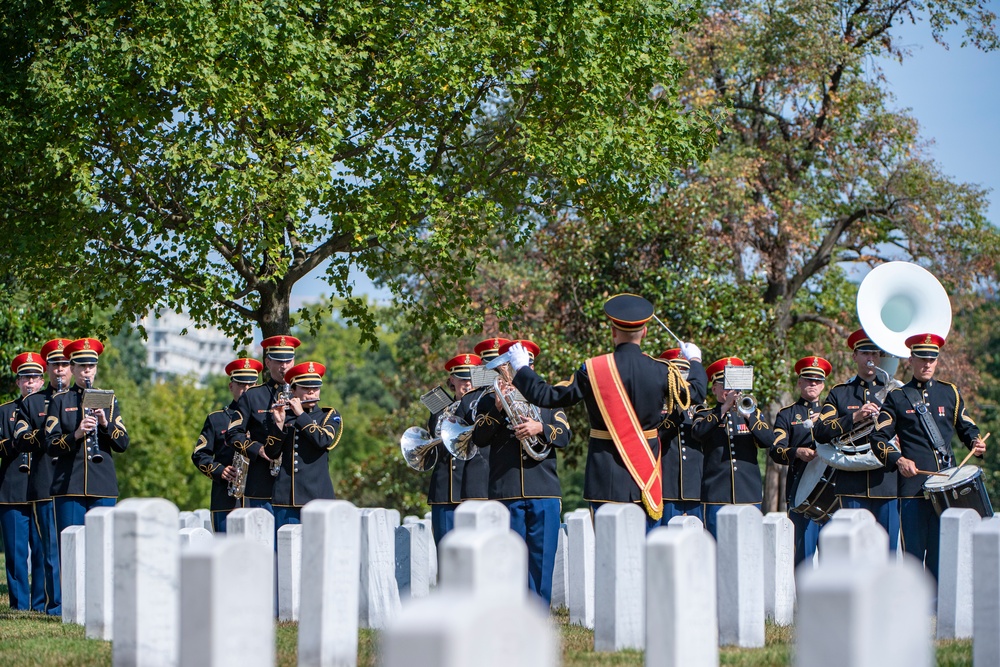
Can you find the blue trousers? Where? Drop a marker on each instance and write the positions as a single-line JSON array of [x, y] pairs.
[[651, 523], [672, 508], [219, 521], [806, 536], [46, 594], [70, 510], [537, 521], [258, 502], [712, 519], [284, 516], [886, 511], [15, 526], [442, 520], [921, 531]]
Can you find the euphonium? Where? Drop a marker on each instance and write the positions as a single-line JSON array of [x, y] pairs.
[[239, 485], [517, 411]]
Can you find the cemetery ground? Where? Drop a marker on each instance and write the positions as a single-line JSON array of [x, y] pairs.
[[29, 639]]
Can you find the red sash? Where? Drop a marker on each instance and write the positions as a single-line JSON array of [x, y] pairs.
[[626, 431]]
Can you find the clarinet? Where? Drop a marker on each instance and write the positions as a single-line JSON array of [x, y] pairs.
[[91, 437], [25, 465]]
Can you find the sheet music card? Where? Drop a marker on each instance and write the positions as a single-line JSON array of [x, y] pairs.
[[739, 378], [99, 399], [436, 400]]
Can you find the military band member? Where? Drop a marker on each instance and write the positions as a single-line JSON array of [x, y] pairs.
[[729, 440], [529, 488], [301, 436], [794, 445], [847, 406], [248, 432], [625, 393], [925, 413], [84, 444], [16, 514], [46, 593], [212, 456], [682, 458], [445, 492], [476, 477]]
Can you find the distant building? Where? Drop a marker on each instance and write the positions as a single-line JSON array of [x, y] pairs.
[[199, 352]]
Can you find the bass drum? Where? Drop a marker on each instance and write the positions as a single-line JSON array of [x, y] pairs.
[[963, 487], [816, 495]]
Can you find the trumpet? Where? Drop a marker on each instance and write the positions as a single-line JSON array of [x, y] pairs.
[[746, 405], [281, 400]]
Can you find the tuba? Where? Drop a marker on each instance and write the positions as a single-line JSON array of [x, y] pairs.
[[517, 410]]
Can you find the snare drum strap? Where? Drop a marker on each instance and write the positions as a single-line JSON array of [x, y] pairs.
[[927, 421]]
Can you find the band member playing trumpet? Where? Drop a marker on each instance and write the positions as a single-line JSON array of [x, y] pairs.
[[794, 445], [445, 492], [730, 436], [15, 509], [925, 413], [212, 456], [301, 435], [682, 458], [625, 393], [248, 432], [83, 441], [522, 441], [847, 407], [46, 594]]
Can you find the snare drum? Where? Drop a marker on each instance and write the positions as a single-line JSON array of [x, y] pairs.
[[816, 495], [963, 487]]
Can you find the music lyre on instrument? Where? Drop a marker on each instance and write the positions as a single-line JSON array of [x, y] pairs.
[[740, 379], [96, 399]]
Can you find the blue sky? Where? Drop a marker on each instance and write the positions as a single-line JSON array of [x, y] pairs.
[[953, 93]]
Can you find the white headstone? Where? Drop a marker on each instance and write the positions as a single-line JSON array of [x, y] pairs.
[[226, 607], [619, 584], [490, 563], [206, 519], [331, 553], [147, 586], [394, 519], [859, 541], [682, 625], [189, 520], [459, 630], [432, 554], [985, 594], [779, 568], [73, 574], [410, 518], [289, 571], [197, 535], [686, 522], [954, 610], [482, 515], [878, 615], [560, 570], [252, 523], [427, 515], [379, 599], [412, 566], [852, 515], [740, 534], [99, 523], [581, 569]]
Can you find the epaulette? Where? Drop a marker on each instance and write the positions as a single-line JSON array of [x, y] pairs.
[[658, 360], [792, 405]]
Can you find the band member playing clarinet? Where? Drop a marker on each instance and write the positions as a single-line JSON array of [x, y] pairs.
[[924, 414], [30, 434], [794, 445], [248, 432], [212, 456], [83, 441], [523, 472], [301, 436], [625, 393], [682, 458], [730, 436], [15, 509]]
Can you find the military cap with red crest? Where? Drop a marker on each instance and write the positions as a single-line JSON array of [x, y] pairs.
[[489, 349], [244, 371], [28, 364], [531, 348], [628, 312], [306, 374], [717, 369], [677, 359], [460, 366], [53, 350], [280, 348], [84, 351], [925, 346], [860, 342], [814, 368]]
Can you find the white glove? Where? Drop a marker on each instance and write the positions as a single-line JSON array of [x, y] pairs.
[[690, 351], [519, 357]]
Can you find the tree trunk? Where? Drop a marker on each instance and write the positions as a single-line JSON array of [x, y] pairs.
[[774, 487], [273, 314]]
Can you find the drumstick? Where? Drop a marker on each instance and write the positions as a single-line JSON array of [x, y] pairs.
[[969, 455], [928, 472]]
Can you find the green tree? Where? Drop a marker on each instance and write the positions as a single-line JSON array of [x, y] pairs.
[[205, 156]]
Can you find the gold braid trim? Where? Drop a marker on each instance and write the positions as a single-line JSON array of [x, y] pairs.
[[678, 391]]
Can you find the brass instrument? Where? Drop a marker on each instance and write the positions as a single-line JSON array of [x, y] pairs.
[[237, 486], [419, 449], [518, 411], [746, 405], [864, 428], [456, 435], [282, 399]]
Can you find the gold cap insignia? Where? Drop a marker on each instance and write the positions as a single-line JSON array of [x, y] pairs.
[[60, 346], [86, 343], [282, 342], [246, 363], [312, 367], [468, 359]]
